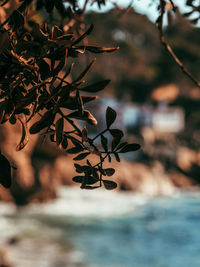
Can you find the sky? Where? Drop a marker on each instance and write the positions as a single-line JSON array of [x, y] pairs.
[[142, 6]]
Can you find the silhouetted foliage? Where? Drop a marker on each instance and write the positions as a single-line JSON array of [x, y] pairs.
[[34, 80], [36, 65]]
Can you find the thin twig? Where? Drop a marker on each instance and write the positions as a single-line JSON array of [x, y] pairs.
[[168, 47]]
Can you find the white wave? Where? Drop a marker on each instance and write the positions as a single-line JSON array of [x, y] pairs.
[[74, 202]]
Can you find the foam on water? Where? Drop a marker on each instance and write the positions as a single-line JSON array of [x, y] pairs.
[[74, 202]]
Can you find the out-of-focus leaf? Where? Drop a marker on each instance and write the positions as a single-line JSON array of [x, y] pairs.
[[56, 32], [110, 116], [95, 87], [16, 20], [49, 5], [5, 171]]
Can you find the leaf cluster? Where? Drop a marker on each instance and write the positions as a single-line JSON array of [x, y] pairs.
[[35, 80]]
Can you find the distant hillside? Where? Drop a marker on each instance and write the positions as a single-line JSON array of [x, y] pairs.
[[141, 64]]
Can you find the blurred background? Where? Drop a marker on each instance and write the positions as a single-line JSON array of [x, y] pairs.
[[152, 218]]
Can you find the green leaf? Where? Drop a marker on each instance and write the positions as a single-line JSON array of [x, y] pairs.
[[109, 185], [129, 148], [110, 116]]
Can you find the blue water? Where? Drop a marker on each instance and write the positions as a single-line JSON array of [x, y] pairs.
[[162, 233], [118, 230]]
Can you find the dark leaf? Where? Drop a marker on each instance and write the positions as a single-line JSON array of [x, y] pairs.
[[59, 67], [81, 156], [16, 20], [129, 148], [86, 116], [75, 150], [84, 35], [122, 145], [5, 172], [88, 187], [117, 136], [110, 116], [82, 75], [104, 142], [95, 87], [109, 171], [56, 32], [117, 156], [84, 134], [101, 170], [78, 179], [9, 109], [90, 179], [44, 122], [79, 168], [187, 14], [64, 143], [39, 4], [59, 131], [109, 185], [49, 5], [24, 138], [44, 69], [95, 49]]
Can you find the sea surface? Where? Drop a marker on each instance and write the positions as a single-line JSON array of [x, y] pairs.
[[103, 229]]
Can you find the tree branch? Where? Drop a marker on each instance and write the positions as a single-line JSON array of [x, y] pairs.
[[168, 47]]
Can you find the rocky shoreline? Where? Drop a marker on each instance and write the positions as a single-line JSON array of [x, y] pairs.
[[42, 168]]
